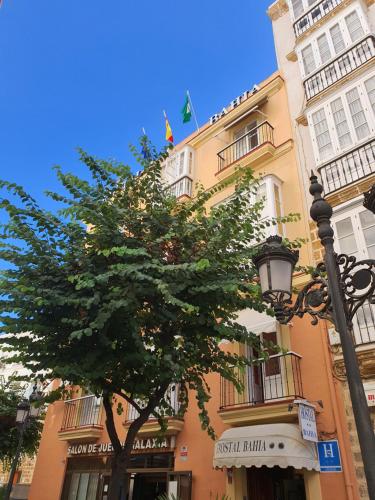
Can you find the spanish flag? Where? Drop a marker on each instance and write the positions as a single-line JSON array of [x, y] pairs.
[[168, 130]]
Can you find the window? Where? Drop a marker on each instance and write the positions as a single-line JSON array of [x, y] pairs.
[[181, 164], [354, 26], [355, 235], [357, 113], [83, 486], [247, 139], [308, 59], [324, 50], [322, 136], [337, 38], [297, 8], [370, 88], [342, 128]]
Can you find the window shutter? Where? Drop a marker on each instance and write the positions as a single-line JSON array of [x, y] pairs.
[[297, 8], [370, 88], [354, 26], [324, 50], [323, 138], [358, 115], [308, 59], [337, 38], [341, 123]]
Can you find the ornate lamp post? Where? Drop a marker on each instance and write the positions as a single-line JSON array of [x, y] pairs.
[[369, 199], [340, 286], [26, 412]]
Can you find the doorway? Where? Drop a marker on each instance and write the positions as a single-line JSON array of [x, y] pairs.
[[149, 486], [275, 484]]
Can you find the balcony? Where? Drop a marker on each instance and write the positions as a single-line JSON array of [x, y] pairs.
[[269, 388], [245, 145], [82, 420], [151, 427], [314, 15], [182, 187], [348, 168], [340, 67]]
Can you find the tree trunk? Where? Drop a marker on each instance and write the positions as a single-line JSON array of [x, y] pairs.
[[119, 483]]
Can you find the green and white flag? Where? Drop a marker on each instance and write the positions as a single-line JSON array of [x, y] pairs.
[[186, 110]]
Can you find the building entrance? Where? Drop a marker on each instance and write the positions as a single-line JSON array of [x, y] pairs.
[[275, 484], [149, 486]]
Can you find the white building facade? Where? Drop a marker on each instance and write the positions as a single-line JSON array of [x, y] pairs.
[[326, 54]]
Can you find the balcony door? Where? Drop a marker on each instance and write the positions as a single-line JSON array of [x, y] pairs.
[[355, 235], [246, 139], [264, 380]]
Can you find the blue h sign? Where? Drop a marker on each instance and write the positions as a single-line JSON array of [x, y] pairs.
[[329, 456]]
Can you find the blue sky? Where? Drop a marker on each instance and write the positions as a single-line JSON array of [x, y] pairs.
[[91, 73]]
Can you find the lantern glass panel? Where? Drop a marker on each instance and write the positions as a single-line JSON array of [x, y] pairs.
[[264, 278], [281, 275], [21, 415]]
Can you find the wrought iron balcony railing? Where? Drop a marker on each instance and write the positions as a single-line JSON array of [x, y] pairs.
[[348, 168], [340, 67], [82, 412], [172, 396], [315, 14], [244, 145], [273, 380], [182, 187]]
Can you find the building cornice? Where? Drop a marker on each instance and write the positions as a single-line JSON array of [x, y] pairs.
[[277, 9], [269, 89]]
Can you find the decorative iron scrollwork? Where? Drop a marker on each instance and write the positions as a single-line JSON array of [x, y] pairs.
[[357, 281]]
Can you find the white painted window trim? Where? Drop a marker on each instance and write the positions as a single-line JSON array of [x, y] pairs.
[[313, 41], [369, 113], [306, 7]]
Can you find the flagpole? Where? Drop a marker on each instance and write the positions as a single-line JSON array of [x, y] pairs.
[[193, 110]]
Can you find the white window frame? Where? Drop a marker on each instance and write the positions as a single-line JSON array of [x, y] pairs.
[[306, 6], [174, 169], [341, 21], [352, 210], [369, 113]]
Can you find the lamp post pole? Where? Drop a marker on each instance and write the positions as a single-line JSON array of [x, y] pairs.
[[321, 213], [13, 469]]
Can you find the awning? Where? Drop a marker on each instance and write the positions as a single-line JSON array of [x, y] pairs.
[[257, 322], [271, 445]]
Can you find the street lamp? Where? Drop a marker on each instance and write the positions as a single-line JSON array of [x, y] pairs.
[[27, 410], [338, 288]]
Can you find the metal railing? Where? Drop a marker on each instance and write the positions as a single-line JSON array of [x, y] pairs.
[[172, 396], [182, 187], [82, 412], [275, 379], [314, 15], [348, 168], [340, 67], [245, 144]]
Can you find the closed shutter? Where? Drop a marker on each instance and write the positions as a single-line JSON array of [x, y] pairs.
[[308, 59], [354, 26], [297, 8], [337, 38], [341, 123], [323, 138], [358, 115], [324, 50], [370, 88]]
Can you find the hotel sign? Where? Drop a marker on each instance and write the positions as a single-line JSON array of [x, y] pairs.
[[233, 104], [147, 444], [307, 421]]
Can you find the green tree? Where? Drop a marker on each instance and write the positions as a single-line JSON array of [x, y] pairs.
[[126, 291], [11, 394]]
